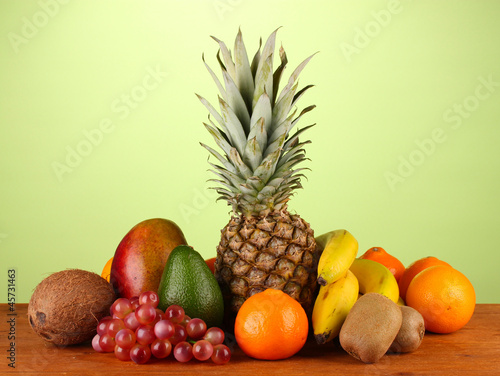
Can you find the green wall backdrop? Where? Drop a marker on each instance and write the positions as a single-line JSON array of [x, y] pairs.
[[100, 126]]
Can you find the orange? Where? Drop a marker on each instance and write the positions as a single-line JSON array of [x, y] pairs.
[[106, 272], [443, 296], [413, 269], [389, 261], [210, 262], [271, 325]]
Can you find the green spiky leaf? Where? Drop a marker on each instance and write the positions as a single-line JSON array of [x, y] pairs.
[[258, 171]]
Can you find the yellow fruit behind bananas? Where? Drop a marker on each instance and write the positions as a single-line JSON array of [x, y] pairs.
[[339, 249], [332, 305], [375, 277]]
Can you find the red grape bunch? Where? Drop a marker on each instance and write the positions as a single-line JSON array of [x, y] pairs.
[[137, 329]]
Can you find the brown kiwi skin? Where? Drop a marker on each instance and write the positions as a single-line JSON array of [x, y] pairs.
[[370, 327], [411, 333]]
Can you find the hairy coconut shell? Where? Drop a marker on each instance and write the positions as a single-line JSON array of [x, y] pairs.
[[66, 307]]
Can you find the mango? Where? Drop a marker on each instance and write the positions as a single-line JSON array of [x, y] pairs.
[[141, 256]]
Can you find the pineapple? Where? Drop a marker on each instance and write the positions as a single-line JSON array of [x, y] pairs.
[[263, 245]]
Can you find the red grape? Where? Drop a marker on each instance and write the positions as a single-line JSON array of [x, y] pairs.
[[125, 338], [214, 335], [112, 308], [174, 313], [221, 354], [140, 353], [149, 297], [179, 335], [160, 315], [102, 327], [183, 352], [121, 308], [95, 343], [185, 321], [203, 350], [145, 334], [164, 329], [138, 330], [131, 322], [145, 314], [196, 328], [134, 301], [122, 354], [114, 326], [107, 343], [161, 348]]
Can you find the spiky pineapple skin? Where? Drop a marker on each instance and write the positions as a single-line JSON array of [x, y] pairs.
[[276, 250]]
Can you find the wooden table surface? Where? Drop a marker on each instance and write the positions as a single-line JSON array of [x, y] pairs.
[[473, 350]]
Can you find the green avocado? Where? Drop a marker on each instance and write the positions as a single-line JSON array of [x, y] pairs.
[[188, 282]]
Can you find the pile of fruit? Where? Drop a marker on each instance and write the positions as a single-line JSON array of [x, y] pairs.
[[271, 277], [137, 329], [359, 297]]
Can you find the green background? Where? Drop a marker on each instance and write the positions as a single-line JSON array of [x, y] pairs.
[[390, 76]]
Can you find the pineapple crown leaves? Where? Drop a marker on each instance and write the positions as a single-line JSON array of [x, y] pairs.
[[256, 171]]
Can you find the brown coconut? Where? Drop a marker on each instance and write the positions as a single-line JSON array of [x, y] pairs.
[[66, 307]]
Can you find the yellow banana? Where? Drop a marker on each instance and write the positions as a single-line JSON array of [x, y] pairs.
[[375, 277], [339, 249], [332, 305]]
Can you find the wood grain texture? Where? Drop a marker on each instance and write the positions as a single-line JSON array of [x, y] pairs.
[[473, 350]]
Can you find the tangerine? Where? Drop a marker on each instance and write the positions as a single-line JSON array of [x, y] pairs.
[[379, 255], [271, 325], [106, 271], [443, 296], [413, 269]]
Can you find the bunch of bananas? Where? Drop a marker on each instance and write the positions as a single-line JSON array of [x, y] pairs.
[[343, 277]]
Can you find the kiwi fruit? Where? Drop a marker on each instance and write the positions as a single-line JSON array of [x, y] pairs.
[[411, 333], [370, 327], [66, 307]]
